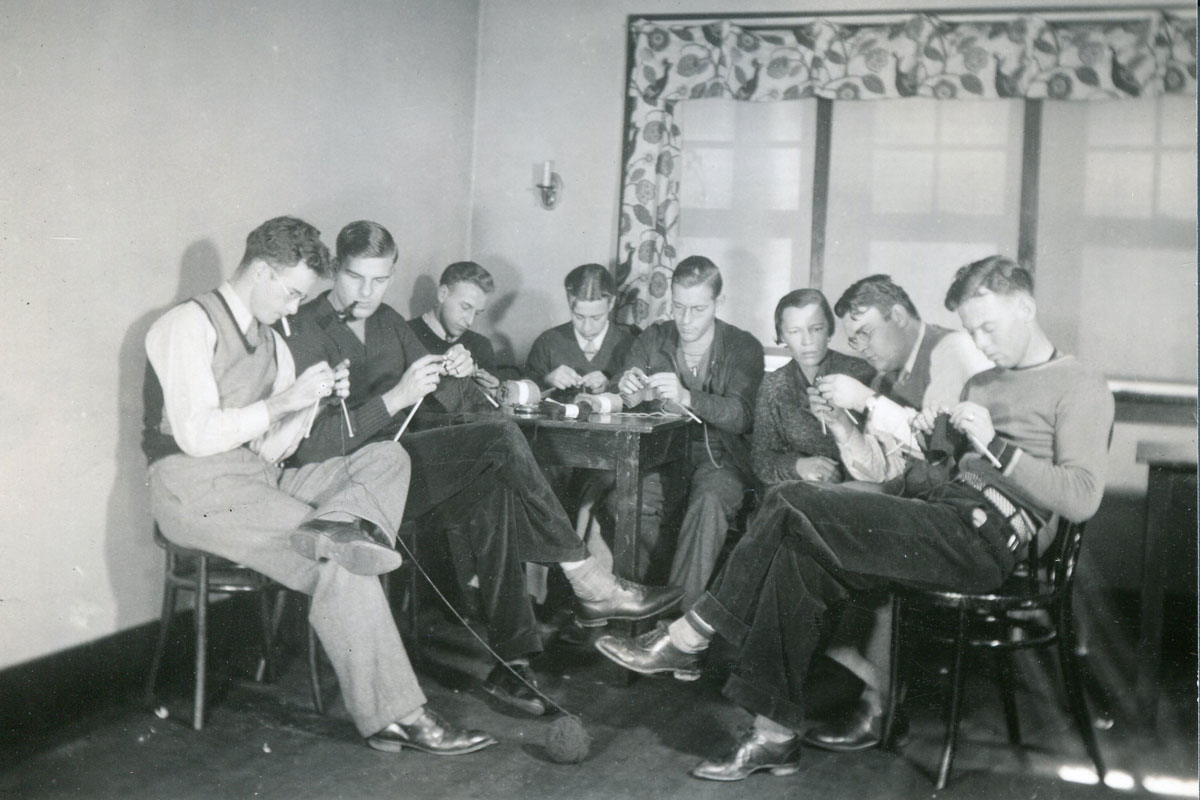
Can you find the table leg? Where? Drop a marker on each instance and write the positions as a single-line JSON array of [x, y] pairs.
[[1150, 625], [627, 506]]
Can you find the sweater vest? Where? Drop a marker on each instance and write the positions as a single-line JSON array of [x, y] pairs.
[[911, 391], [244, 375]]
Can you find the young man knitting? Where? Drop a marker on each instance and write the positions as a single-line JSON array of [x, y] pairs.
[[224, 406], [478, 481], [1040, 414]]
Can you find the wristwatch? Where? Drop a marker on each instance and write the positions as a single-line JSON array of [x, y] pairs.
[[869, 403]]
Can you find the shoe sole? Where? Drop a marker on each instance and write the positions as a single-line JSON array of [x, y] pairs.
[[359, 556], [532, 708], [680, 674], [778, 770], [838, 748], [396, 747], [596, 623]]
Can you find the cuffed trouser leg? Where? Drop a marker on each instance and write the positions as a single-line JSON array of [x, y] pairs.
[[236, 506]]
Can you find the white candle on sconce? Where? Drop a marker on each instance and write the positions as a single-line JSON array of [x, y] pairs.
[[547, 173]]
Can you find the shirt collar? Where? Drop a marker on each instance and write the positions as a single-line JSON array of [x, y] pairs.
[[241, 315], [598, 339], [435, 325], [912, 356]]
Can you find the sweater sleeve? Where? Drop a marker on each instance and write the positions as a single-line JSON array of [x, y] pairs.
[[1072, 482], [770, 458], [538, 365]]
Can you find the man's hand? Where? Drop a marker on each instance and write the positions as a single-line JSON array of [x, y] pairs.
[[487, 380], [976, 422], [923, 422], [458, 363], [816, 468], [632, 382], [595, 382], [667, 386], [834, 418], [341, 379], [563, 377], [315, 383], [421, 378], [844, 392]]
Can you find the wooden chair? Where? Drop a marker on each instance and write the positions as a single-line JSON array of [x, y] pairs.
[[1031, 610], [204, 574]]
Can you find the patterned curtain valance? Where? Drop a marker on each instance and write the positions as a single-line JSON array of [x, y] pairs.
[[1023, 56]]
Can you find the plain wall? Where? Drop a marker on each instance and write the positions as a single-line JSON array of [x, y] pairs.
[[141, 142]]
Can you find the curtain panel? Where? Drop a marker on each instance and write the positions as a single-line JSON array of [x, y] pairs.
[[923, 56]]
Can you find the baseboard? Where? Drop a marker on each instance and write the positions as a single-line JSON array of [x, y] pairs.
[[41, 698]]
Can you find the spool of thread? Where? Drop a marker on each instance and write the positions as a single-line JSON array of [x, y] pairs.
[[520, 393], [608, 403], [555, 410]]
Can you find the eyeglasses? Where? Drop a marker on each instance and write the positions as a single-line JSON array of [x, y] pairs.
[[292, 294], [859, 341]]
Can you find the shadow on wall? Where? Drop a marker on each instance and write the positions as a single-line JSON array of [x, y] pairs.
[[128, 525]]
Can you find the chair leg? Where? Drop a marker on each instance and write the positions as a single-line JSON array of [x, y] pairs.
[[1073, 681], [164, 629], [266, 618], [201, 641], [957, 679], [893, 699], [314, 670], [1004, 664]]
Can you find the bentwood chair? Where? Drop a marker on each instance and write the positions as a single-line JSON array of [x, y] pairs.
[[204, 574], [1031, 610]]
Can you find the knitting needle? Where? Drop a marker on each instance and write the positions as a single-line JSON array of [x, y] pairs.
[[981, 448], [688, 411], [484, 391], [853, 418], [408, 419], [312, 417]]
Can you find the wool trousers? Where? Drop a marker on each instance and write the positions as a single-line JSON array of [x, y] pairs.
[[239, 507], [480, 483], [811, 546]]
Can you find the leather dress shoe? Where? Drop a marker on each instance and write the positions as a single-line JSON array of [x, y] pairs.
[[861, 729], [430, 734], [510, 691], [358, 551], [650, 653], [753, 753], [628, 601]]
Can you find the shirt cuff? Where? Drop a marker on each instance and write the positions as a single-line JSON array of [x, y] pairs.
[[1007, 454], [256, 420]]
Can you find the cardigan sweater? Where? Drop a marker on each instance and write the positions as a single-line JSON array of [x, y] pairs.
[[558, 346]]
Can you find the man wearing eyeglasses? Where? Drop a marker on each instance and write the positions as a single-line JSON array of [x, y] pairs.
[[920, 365], [224, 408]]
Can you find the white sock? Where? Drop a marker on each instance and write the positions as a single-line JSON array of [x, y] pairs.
[[589, 579], [771, 730], [685, 636]]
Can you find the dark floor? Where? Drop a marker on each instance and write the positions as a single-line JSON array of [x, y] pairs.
[[265, 741]]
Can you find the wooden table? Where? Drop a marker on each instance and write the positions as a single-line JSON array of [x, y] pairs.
[[629, 445], [1172, 478]]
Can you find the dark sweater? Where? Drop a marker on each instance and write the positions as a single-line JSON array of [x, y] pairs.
[[478, 345], [784, 429], [558, 346], [376, 366], [726, 404]]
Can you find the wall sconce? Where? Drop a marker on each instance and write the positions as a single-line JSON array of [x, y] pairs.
[[550, 185]]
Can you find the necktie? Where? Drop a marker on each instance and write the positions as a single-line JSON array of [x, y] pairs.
[[590, 349]]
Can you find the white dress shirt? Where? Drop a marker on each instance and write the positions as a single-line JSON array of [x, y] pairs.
[[180, 345]]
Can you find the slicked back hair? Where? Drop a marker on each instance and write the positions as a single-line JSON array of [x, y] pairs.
[[801, 298], [467, 272], [874, 291], [365, 239], [284, 242], [995, 274], [589, 282], [695, 270]]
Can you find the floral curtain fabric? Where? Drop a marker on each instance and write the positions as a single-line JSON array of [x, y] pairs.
[[1025, 56]]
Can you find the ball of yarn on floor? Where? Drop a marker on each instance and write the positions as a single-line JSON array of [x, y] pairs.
[[567, 742]]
